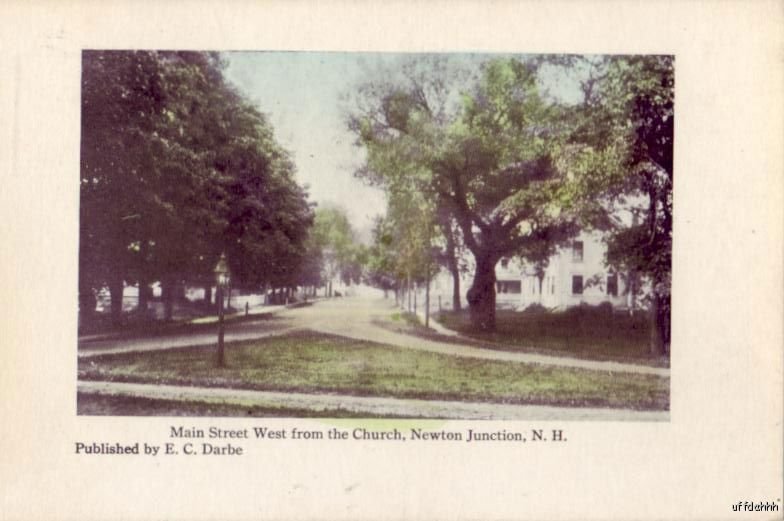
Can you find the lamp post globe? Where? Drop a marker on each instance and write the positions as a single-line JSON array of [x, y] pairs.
[[222, 271]]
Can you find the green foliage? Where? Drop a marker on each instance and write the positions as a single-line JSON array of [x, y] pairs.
[[491, 166], [336, 243], [176, 167], [630, 108], [520, 171], [623, 138]]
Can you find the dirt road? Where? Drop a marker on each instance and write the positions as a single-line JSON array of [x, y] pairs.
[[353, 318], [370, 405]]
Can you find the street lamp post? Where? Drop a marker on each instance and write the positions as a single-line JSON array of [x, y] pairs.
[[222, 280]]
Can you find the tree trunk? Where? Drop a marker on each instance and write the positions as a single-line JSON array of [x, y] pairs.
[[144, 296], [116, 294], [408, 293], [541, 280], [427, 300], [453, 268], [657, 341], [87, 303], [659, 320], [456, 306], [208, 295], [144, 282], [481, 295], [167, 290]]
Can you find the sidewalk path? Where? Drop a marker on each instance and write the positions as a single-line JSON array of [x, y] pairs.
[[210, 319], [246, 331], [435, 325], [370, 405]]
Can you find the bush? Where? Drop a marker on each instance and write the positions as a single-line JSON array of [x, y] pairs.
[[535, 308], [605, 309], [584, 310]]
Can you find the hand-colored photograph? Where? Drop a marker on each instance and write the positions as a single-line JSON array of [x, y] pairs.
[[375, 235]]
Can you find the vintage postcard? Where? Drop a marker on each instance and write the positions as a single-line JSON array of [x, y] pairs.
[[461, 236], [317, 261]]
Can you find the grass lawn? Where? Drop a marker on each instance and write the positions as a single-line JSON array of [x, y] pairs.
[[311, 362], [579, 333], [92, 404]]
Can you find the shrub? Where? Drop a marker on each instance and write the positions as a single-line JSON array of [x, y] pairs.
[[585, 310], [605, 309], [535, 308]]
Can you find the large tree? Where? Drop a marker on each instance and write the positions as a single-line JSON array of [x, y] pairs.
[[498, 165], [176, 167], [628, 115], [425, 87], [124, 99]]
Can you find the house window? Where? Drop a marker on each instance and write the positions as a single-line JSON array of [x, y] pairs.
[[552, 285], [612, 285], [577, 284], [505, 262], [508, 286], [577, 251]]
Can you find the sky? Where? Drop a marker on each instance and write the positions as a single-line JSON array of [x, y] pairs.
[[301, 94]]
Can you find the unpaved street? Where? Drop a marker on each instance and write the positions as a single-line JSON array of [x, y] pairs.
[[370, 404], [353, 318]]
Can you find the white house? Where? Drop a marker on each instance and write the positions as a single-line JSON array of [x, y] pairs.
[[576, 274]]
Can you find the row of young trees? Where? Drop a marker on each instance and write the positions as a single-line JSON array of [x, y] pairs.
[[337, 252], [177, 168], [479, 155]]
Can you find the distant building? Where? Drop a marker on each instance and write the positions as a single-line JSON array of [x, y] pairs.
[[576, 274]]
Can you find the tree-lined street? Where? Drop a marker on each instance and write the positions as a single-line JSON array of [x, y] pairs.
[[192, 199], [359, 319], [355, 318]]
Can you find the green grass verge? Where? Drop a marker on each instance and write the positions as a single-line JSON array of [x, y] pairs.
[[311, 362], [578, 333]]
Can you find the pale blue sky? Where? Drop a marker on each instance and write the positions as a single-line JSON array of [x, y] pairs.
[[301, 94]]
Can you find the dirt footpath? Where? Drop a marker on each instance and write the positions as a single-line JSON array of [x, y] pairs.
[[370, 405]]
